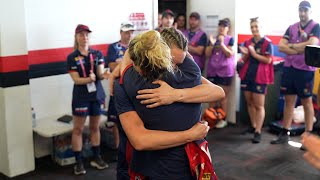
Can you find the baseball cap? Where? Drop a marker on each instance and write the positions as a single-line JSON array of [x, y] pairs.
[[305, 4], [195, 15], [81, 28], [127, 26], [167, 12]]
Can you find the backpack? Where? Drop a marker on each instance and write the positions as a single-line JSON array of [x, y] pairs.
[[213, 115]]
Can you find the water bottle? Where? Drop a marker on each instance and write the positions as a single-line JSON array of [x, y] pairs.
[[34, 123]]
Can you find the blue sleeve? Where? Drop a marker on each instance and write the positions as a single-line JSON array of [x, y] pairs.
[[71, 63], [99, 57], [269, 50], [112, 54], [122, 101], [287, 34], [188, 72], [315, 31], [231, 42], [203, 40]]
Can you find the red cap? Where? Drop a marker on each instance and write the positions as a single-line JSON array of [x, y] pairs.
[[81, 28]]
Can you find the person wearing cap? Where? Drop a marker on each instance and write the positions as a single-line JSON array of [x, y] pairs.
[[85, 66], [167, 20], [115, 55], [221, 64], [197, 39], [256, 73], [297, 77], [116, 50]]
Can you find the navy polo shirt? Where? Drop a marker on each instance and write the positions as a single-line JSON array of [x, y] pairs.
[[202, 41], [80, 92], [115, 51], [172, 162], [254, 63]]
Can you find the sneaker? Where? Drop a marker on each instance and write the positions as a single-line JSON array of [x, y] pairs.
[[221, 124], [250, 130], [256, 138], [79, 169], [99, 163], [282, 138]]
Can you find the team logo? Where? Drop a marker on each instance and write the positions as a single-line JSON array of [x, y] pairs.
[[137, 178], [78, 58], [258, 50], [306, 91], [259, 88], [206, 176]]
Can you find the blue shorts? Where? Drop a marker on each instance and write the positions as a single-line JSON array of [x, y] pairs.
[[112, 112], [85, 108], [224, 81], [295, 81], [253, 87]]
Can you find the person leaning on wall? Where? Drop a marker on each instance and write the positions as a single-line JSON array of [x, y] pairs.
[[85, 66]]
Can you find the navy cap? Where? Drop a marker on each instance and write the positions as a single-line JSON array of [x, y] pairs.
[[81, 28], [305, 4], [195, 15], [224, 22], [167, 12]]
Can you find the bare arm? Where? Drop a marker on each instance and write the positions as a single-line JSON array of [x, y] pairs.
[[301, 46], [284, 47], [112, 65], [196, 50], [100, 72], [312, 144], [208, 51], [165, 94], [227, 50], [145, 139], [81, 80], [209, 48], [244, 51]]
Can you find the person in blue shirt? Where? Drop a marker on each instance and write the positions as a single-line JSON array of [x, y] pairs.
[[85, 66], [172, 161], [116, 50]]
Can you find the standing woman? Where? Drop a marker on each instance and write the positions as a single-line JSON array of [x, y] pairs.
[[85, 67], [256, 74], [221, 65]]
